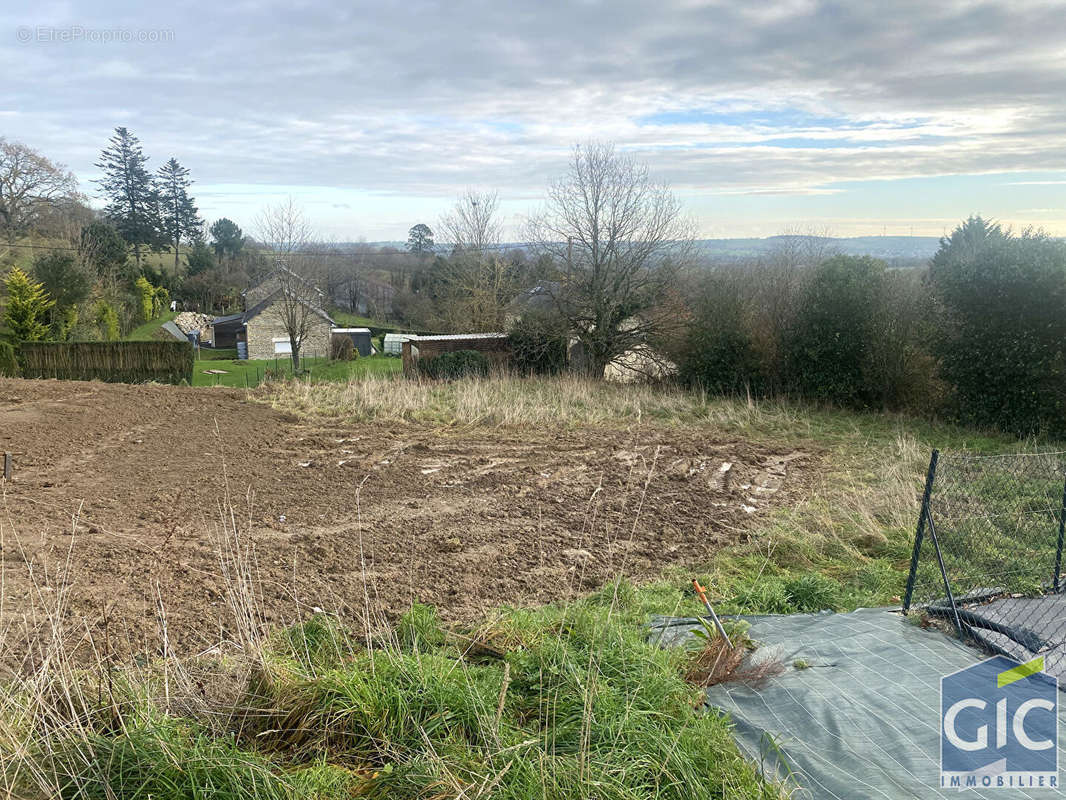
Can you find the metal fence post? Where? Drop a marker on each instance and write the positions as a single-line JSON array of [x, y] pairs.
[[944, 573], [1058, 547], [930, 476]]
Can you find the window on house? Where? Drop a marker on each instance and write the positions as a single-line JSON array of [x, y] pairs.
[[282, 347]]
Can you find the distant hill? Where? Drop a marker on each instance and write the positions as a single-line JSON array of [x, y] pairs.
[[889, 248]]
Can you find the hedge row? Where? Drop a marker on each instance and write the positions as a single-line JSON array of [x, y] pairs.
[[112, 362]]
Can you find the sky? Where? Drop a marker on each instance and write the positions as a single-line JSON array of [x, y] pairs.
[[858, 118]]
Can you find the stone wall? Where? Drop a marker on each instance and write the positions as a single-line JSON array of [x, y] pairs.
[[268, 325]]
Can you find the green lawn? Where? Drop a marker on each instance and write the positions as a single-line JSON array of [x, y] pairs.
[[345, 319], [146, 332], [319, 370]]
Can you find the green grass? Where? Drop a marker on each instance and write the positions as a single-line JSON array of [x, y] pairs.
[[345, 319], [147, 331], [554, 703], [318, 370]]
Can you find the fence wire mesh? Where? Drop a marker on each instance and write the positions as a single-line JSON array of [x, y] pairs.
[[988, 553]]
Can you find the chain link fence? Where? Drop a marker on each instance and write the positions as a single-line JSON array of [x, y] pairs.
[[988, 552]]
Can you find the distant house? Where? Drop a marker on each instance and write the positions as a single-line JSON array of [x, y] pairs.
[[259, 331], [264, 329], [538, 300]]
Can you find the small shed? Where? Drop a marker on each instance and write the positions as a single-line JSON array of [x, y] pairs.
[[495, 346], [228, 330], [360, 339], [394, 342]]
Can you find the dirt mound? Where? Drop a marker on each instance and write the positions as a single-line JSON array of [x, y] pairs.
[[118, 492]]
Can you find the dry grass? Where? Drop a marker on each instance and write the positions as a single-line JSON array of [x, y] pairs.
[[525, 402]]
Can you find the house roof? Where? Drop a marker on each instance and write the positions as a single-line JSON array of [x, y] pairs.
[[264, 304], [227, 318], [539, 298], [281, 267], [174, 330]]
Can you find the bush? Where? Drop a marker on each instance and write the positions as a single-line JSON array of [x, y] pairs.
[[341, 348], [830, 353], [719, 357], [538, 345], [1002, 340], [458, 364], [9, 366]]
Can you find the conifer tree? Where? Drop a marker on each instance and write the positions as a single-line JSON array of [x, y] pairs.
[[133, 199], [179, 216], [27, 308]]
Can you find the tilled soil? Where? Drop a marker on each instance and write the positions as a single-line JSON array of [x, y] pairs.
[[113, 519]]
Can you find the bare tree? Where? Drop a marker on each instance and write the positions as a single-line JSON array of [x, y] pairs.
[[777, 281], [472, 224], [285, 230], [623, 240], [476, 282], [29, 185]]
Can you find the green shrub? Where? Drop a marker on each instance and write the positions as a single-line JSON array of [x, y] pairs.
[[538, 345], [1002, 338], [457, 364], [832, 342], [719, 357], [9, 366], [107, 321]]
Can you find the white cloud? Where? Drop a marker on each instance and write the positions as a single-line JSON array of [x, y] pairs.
[[423, 99]]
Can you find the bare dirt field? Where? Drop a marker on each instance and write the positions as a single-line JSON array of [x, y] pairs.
[[113, 512]]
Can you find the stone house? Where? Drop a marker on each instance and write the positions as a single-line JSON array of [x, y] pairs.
[[259, 331], [264, 330]]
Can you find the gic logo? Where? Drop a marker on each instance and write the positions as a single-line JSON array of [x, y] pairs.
[[999, 726]]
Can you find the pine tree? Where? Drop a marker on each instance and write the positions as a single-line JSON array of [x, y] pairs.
[[27, 308], [228, 238], [133, 201], [179, 216]]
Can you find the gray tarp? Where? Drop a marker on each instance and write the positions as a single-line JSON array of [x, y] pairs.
[[863, 721], [1019, 627]]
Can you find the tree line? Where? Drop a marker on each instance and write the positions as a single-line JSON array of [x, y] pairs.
[[979, 334]]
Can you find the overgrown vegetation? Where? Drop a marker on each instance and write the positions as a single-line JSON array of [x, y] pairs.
[[556, 702], [456, 364], [980, 336]]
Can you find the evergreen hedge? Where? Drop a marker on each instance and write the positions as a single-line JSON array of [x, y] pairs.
[[112, 362]]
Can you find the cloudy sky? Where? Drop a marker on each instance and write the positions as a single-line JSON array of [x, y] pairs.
[[863, 117]]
